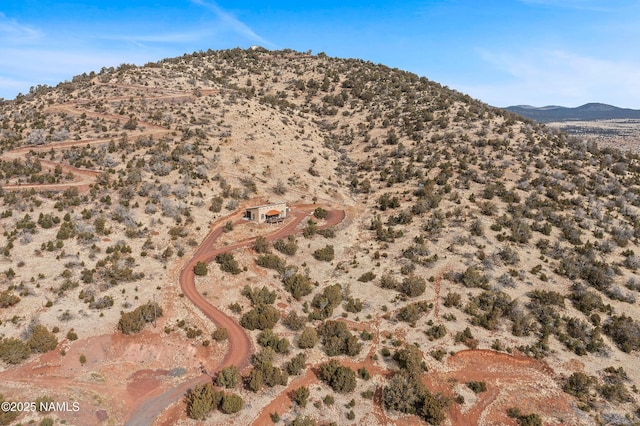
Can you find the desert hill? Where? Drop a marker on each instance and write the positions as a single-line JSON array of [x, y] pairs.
[[444, 261], [586, 112]]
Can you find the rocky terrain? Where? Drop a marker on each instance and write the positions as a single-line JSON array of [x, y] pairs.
[[444, 261]]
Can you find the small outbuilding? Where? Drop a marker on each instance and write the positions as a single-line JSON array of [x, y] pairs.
[[268, 213]]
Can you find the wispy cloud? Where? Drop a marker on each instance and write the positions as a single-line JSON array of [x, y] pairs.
[[13, 32], [233, 23], [542, 77]]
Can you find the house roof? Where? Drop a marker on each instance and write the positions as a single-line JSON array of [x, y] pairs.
[[267, 205]]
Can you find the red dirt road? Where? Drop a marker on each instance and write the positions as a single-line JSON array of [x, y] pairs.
[[512, 381], [240, 347]]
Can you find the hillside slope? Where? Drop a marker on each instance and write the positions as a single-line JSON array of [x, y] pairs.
[[472, 238]]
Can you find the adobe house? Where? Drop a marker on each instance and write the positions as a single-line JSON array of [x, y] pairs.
[[269, 213]]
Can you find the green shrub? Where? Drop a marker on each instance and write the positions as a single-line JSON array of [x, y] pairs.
[[407, 394], [477, 387], [47, 421], [524, 419], [413, 286], [261, 317], [268, 339], [325, 302], [465, 337], [288, 246], [364, 373], [298, 285], [13, 351], [102, 303], [134, 321], [325, 254], [327, 232], [42, 340], [624, 331], [453, 299], [353, 305], [271, 261], [235, 307], [220, 334], [200, 269], [216, 204], [255, 382], [7, 417], [231, 403], [296, 364], [45, 401], [228, 263], [228, 377], [201, 400], [586, 301], [270, 375], [341, 379], [308, 339], [438, 354], [337, 339], [293, 321], [320, 213], [472, 278], [615, 392], [409, 359], [261, 245], [262, 296], [436, 332], [367, 276], [310, 230], [543, 297], [301, 396], [389, 281], [7, 298], [411, 313], [303, 421]]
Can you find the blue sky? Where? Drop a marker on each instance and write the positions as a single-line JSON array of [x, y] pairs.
[[503, 52]]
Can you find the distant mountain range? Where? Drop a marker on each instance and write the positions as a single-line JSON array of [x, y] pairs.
[[586, 112]]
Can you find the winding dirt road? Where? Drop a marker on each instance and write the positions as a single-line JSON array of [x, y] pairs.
[[240, 347]]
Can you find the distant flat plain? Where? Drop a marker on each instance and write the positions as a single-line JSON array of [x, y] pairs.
[[618, 133]]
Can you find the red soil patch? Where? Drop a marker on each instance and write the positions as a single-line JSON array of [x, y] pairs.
[[281, 403], [121, 373], [512, 381]]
